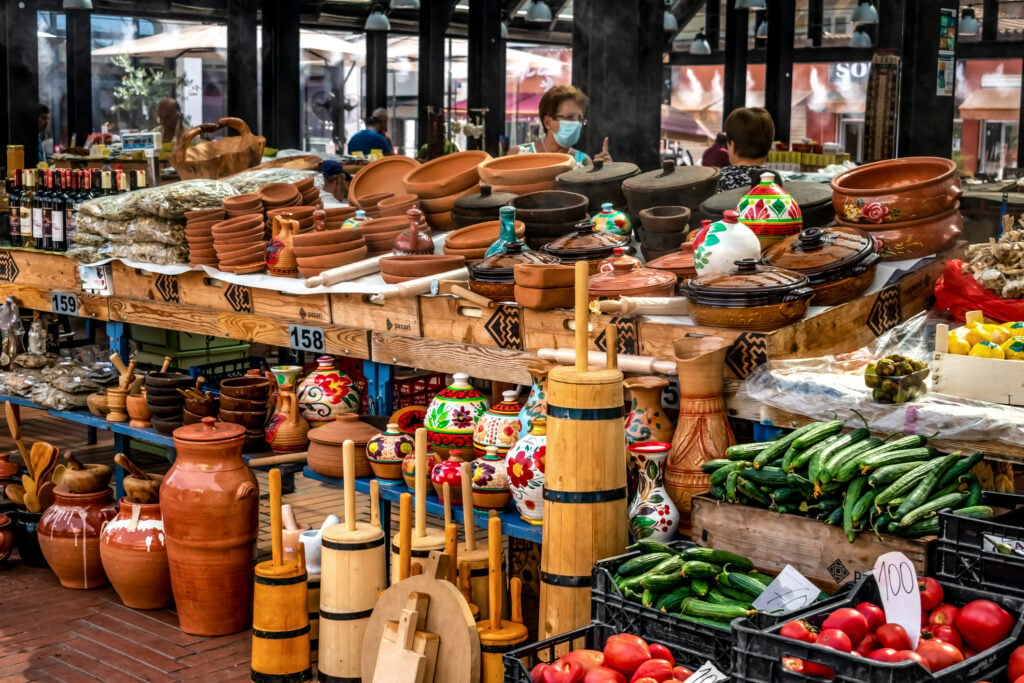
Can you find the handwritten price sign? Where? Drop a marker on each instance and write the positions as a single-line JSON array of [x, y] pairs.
[[789, 591], [901, 598], [707, 674]]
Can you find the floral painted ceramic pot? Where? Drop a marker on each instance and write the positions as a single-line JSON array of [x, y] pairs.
[[610, 220], [387, 450], [525, 467], [448, 472], [896, 190], [326, 393], [499, 426], [652, 514], [726, 242], [536, 405], [409, 467], [770, 211], [490, 481], [452, 416]]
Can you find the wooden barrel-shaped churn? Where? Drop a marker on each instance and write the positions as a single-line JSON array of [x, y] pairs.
[[423, 540], [476, 556], [313, 609]]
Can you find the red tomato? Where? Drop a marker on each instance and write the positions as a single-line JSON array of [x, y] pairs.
[[873, 613], [603, 674], [659, 651], [904, 655], [799, 630], [658, 669], [894, 636], [983, 623], [564, 672], [867, 645], [939, 654], [931, 593], [793, 664], [625, 652], [835, 639], [946, 634], [681, 673], [849, 621], [944, 614], [1015, 667], [537, 672], [819, 670], [885, 654], [645, 679], [588, 659], [1019, 680]]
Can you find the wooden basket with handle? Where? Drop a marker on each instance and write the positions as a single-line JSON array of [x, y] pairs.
[[217, 158]]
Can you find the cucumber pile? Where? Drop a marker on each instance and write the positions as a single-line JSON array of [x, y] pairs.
[[850, 479], [702, 585]]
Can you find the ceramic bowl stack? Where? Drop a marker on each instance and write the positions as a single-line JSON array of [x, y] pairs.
[[310, 193], [910, 205], [549, 214], [164, 401], [397, 205], [371, 203], [665, 228], [482, 206], [280, 195], [440, 182], [196, 409], [242, 205], [316, 252], [472, 242], [240, 244], [525, 173], [200, 239], [398, 269], [380, 233], [302, 214], [243, 401], [381, 176]]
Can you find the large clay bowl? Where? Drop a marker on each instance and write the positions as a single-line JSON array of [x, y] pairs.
[[383, 175], [468, 254], [481, 235], [248, 254], [369, 202], [202, 254], [525, 169], [243, 202], [305, 184], [545, 186], [915, 239], [248, 419], [240, 225], [166, 412], [340, 213], [311, 239], [551, 206], [202, 225], [441, 222], [759, 318], [237, 262], [279, 194], [665, 219], [390, 206], [168, 381], [204, 214], [381, 243], [420, 265], [239, 242], [543, 275], [384, 225], [896, 190], [446, 203], [249, 388], [445, 175], [395, 279], [240, 238], [243, 404], [329, 248], [297, 212], [166, 426], [332, 260]]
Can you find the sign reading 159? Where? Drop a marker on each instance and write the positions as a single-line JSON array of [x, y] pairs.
[[306, 338], [64, 303]]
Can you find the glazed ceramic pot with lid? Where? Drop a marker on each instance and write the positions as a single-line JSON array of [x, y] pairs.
[[814, 199], [751, 296], [494, 277], [600, 182], [585, 244], [626, 277], [679, 185], [839, 262]]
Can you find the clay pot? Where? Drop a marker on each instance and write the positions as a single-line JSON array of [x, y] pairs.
[[328, 249], [327, 261], [6, 537], [409, 468], [585, 244], [278, 194], [525, 468], [286, 431], [249, 388], [97, 404], [482, 206], [305, 184], [397, 205], [421, 265], [670, 186], [204, 214], [839, 263], [914, 239], [326, 393], [467, 254], [201, 227], [312, 239], [242, 404], [236, 225], [69, 536], [662, 241], [544, 186], [382, 226], [545, 233], [167, 381], [896, 190], [386, 450], [489, 476], [671, 219], [627, 278], [233, 252], [479, 236], [749, 297], [134, 556], [441, 222], [26, 537], [544, 299], [382, 175], [324, 456], [242, 201], [493, 277], [543, 275], [679, 262], [601, 182], [646, 420], [551, 206], [525, 169], [449, 472], [447, 203], [190, 418], [414, 239], [446, 175], [499, 426], [154, 400], [452, 415]]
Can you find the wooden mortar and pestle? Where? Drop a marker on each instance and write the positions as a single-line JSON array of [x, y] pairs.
[[139, 487], [84, 478]]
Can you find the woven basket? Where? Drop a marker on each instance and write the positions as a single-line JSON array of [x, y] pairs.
[[217, 158]]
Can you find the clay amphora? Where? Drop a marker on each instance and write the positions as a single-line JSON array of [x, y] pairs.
[[702, 432], [134, 554], [652, 514], [537, 402], [280, 252], [490, 481], [449, 471], [386, 452], [210, 503], [326, 393], [69, 536], [286, 431]]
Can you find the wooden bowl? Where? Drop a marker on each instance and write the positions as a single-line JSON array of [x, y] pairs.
[[446, 203], [278, 194], [310, 239], [93, 477], [166, 392], [166, 426], [168, 381], [481, 235], [329, 248], [143, 490], [246, 418], [552, 206], [155, 400], [205, 214], [204, 408], [446, 175], [420, 265], [165, 412], [896, 190], [333, 260], [525, 169], [242, 404], [249, 387]]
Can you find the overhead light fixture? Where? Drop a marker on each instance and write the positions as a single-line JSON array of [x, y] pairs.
[[860, 38], [750, 4], [405, 4], [968, 22], [77, 4], [762, 30], [377, 21], [700, 45], [865, 14], [669, 22], [504, 31], [539, 12]]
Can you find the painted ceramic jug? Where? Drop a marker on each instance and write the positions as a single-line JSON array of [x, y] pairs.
[[726, 242], [499, 426], [409, 467], [652, 514], [525, 467], [69, 536], [611, 220], [489, 475], [354, 222], [280, 252], [646, 420], [450, 472], [133, 550], [452, 416], [387, 450], [537, 402], [286, 431], [770, 211], [286, 375], [326, 393]]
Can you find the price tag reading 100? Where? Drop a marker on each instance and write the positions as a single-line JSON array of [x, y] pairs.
[[306, 338], [901, 598]]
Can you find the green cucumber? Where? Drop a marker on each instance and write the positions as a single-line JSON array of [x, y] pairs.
[[863, 505], [869, 462], [666, 566], [791, 454], [717, 491], [845, 465], [719, 475], [835, 518], [962, 466], [697, 569], [659, 583], [642, 563], [925, 527], [741, 582], [924, 488], [902, 443], [763, 578], [731, 483], [735, 594], [978, 511], [853, 495], [699, 608], [647, 599], [649, 546], [815, 431], [669, 602], [766, 476], [745, 451], [751, 491], [890, 473], [710, 623], [931, 508], [849, 438], [907, 481], [719, 557], [717, 598], [700, 587], [712, 465]]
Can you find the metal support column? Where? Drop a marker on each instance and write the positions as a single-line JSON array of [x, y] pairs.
[[713, 23], [778, 86], [79, 75], [990, 21], [118, 338], [890, 24], [736, 28], [242, 60], [4, 119], [377, 70], [925, 117], [430, 90], [1020, 124], [282, 102], [815, 21], [486, 72], [22, 91]]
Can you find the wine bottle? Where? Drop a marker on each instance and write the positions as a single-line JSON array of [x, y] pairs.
[[14, 208], [58, 201], [45, 200], [35, 211]]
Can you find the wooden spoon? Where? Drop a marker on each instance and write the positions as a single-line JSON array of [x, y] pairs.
[[16, 494], [12, 424], [122, 460], [44, 459], [28, 483], [45, 495], [58, 474]]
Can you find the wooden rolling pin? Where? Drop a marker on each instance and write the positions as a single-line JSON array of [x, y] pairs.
[[418, 286], [667, 305], [345, 273], [634, 364]]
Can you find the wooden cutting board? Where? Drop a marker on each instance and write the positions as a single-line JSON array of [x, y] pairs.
[[397, 661]]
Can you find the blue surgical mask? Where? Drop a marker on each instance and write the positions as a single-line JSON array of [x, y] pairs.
[[568, 133]]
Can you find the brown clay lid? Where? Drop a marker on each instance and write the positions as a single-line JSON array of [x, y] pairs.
[[210, 429], [625, 277], [585, 242], [599, 172], [344, 428], [680, 262], [670, 177], [823, 253], [486, 200], [501, 266], [806, 195], [748, 284]]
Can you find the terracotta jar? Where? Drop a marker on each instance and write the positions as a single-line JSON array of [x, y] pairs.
[[326, 393], [386, 450], [536, 405], [725, 242], [134, 553], [450, 472], [210, 504], [499, 426], [646, 420], [280, 251], [415, 239], [409, 467], [6, 537], [286, 431], [525, 467], [452, 415], [770, 211], [626, 277], [490, 481], [324, 456], [839, 262], [69, 536]]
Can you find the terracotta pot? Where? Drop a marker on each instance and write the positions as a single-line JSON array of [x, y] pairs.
[[525, 468], [646, 420], [550, 206], [627, 278], [134, 556], [201, 227], [233, 403], [479, 236], [242, 201], [382, 175], [251, 420], [543, 275], [468, 254], [814, 199], [305, 184], [493, 277], [679, 262], [328, 249], [398, 204], [839, 263], [279, 193], [396, 279], [601, 182], [544, 299], [585, 244], [749, 297], [287, 429], [914, 239], [239, 224], [201, 214], [420, 265], [382, 226], [449, 174], [545, 186], [524, 169], [327, 261], [210, 505], [69, 536], [661, 241], [325, 443], [409, 467], [671, 219], [770, 211], [292, 212], [896, 190], [249, 388], [482, 206], [6, 537], [446, 203], [387, 450], [312, 239], [652, 514]]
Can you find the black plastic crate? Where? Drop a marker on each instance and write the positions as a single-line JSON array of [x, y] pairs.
[[518, 662], [960, 555], [215, 372], [758, 651]]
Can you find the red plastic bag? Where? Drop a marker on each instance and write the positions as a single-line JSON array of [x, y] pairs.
[[959, 293]]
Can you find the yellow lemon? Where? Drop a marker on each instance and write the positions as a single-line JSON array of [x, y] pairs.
[[987, 349], [998, 333], [976, 334], [1013, 348], [1015, 328], [957, 344]]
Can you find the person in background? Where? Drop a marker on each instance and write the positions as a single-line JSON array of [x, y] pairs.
[[749, 133], [43, 122], [172, 123], [374, 136], [716, 154], [562, 112], [335, 179]]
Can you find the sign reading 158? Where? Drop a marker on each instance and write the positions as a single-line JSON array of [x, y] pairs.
[[306, 338]]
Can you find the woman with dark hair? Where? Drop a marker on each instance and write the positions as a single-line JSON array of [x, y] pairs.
[[749, 134], [562, 113]]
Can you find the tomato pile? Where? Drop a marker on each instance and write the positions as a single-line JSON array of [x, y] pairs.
[[949, 634], [625, 659]]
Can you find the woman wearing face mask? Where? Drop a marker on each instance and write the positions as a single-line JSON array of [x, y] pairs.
[[562, 112]]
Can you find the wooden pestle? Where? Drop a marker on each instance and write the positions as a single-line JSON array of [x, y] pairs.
[[123, 460], [421, 482], [611, 336], [494, 570], [469, 524], [404, 535], [375, 503], [348, 454], [276, 539], [451, 549]]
